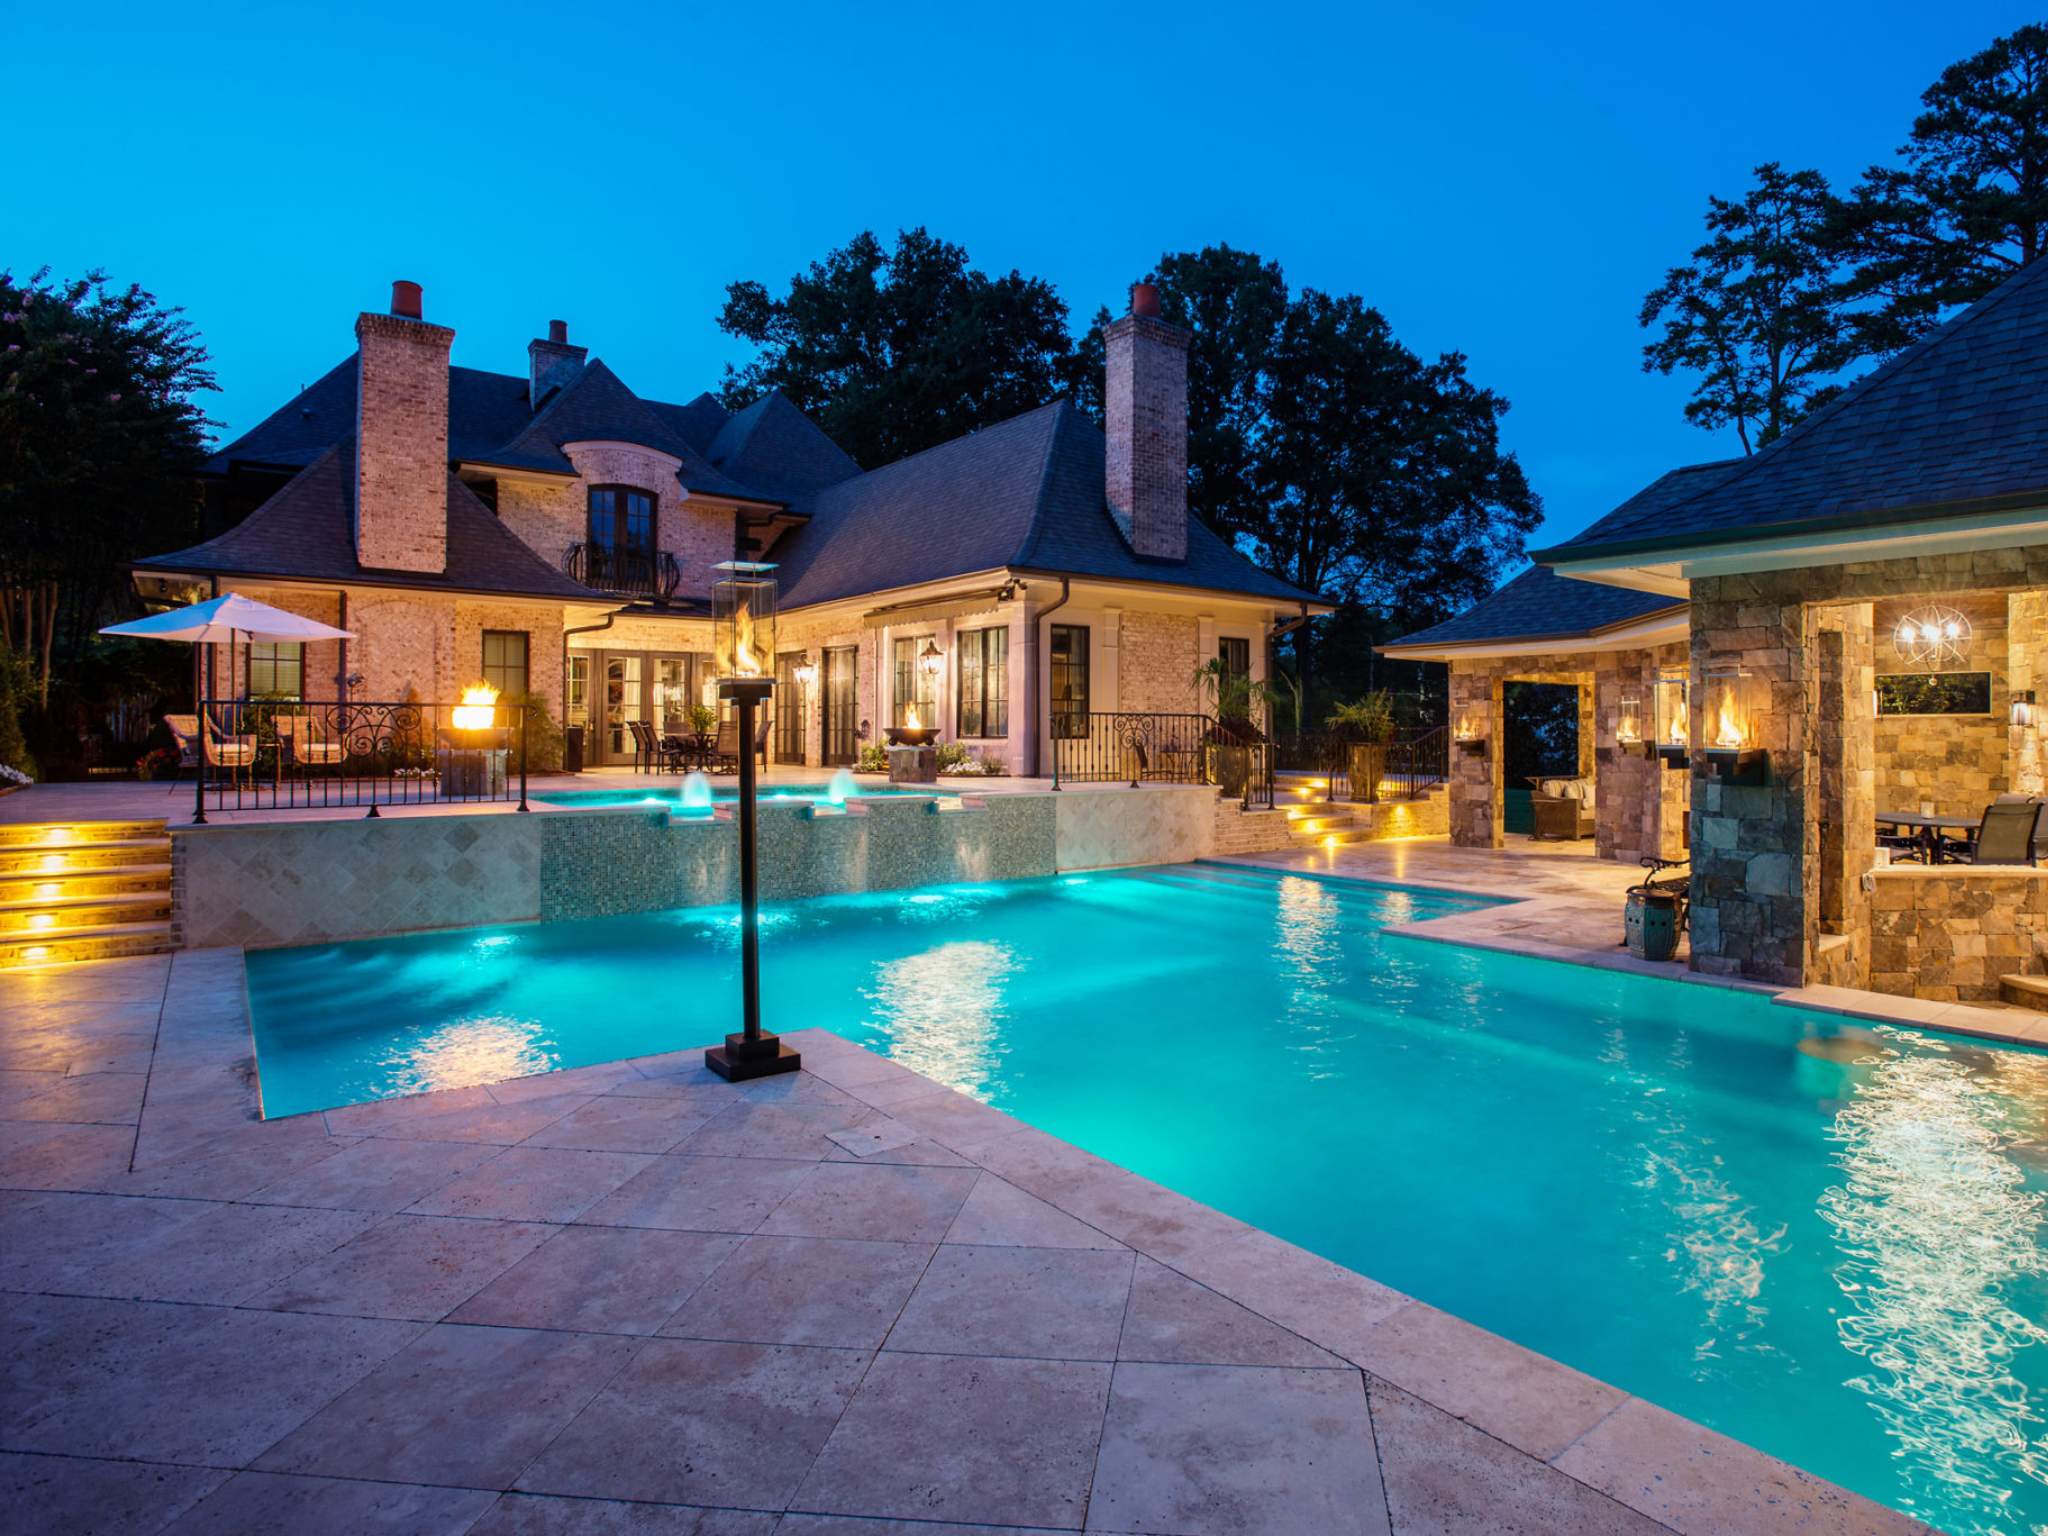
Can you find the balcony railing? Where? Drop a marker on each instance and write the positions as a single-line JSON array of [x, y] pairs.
[[627, 572], [1162, 749], [1407, 766]]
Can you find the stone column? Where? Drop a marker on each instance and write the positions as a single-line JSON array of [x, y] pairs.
[[1474, 798], [2027, 671], [1754, 898], [1845, 794]]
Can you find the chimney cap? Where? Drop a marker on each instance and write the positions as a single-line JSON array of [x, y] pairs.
[[558, 332], [1145, 300], [405, 299]]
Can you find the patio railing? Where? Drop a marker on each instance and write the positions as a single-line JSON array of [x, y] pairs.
[[1409, 765], [1159, 749], [274, 754]]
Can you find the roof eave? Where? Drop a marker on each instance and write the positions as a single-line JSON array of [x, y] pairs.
[[394, 581], [1627, 634]]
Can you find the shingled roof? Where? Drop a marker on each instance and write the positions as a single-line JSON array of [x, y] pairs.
[[1955, 426], [1540, 605], [306, 532], [777, 447], [1025, 494]]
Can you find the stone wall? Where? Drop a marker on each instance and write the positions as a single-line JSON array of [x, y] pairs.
[[1955, 762], [1475, 817], [1948, 933], [1641, 805], [2026, 660], [1157, 824]]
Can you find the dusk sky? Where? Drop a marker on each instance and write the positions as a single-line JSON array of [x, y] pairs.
[[1503, 179]]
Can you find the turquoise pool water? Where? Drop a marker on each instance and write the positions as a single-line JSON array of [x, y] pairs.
[[769, 793], [1824, 1241]]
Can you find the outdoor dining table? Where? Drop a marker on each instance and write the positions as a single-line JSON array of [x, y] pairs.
[[1927, 830]]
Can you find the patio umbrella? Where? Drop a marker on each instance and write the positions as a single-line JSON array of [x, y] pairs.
[[228, 619]]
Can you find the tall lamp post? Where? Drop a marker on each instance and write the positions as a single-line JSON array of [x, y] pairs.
[[743, 625]]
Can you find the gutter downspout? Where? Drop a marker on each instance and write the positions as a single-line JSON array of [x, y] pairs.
[[1031, 670], [581, 629]]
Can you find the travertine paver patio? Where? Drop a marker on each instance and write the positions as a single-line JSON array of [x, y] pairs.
[[635, 1298]]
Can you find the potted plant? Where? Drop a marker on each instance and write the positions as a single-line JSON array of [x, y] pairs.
[[1231, 737], [1366, 725]]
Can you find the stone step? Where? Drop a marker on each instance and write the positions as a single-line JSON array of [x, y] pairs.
[[78, 915], [73, 833], [2025, 991], [120, 880], [22, 861], [31, 953]]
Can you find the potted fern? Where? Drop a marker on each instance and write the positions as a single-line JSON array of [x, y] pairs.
[[1232, 735]]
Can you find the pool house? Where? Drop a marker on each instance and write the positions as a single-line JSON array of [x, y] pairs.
[[1813, 673]]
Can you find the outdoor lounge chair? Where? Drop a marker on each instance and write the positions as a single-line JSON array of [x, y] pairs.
[[184, 731], [2004, 836], [232, 752], [1561, 809], [310, 747]]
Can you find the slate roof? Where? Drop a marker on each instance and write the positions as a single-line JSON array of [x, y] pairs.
[[490, 422], [773, 445], [1950, 427], [307, 532], [1026, 493], [1539, 604]]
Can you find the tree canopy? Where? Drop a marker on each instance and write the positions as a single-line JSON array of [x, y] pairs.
[[100, 432], [895, 351], [1797, 284]]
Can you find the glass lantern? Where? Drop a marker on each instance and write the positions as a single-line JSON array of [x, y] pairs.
[[1670, 716], [743, 621], [1731, 721], [1628, 724]]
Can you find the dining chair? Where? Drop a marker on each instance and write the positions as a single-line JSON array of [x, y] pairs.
[[2004, 836]]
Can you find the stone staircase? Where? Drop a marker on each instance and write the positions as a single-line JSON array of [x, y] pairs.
[[86, 890], [1304, 817]]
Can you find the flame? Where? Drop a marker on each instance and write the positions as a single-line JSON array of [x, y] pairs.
[[910, 720], [743, 662], [1729, 733], [1464, 730], [1678, 730], [479, 707]]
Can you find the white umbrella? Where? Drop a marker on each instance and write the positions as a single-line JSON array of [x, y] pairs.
[[231, 619]]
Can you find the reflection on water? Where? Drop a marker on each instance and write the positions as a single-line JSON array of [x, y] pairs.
[[466, 1052], [1713, 1246], [1308, 927], [1937, 1228], [943, 1010]]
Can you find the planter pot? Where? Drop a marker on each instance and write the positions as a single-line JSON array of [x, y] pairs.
[[1229, 767], [1652, 922], [1368, 767]]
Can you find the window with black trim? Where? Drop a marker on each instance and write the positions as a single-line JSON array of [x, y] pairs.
[[505, 661], [913, 684], [277, 669], [1069, 681], [1235, 652], [621, 518], [984, 682]]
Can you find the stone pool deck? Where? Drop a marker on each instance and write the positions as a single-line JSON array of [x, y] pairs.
[[633, 1298]]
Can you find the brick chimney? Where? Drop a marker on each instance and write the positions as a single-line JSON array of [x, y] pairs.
[[547, 359], [1145, 407], [402, 437]]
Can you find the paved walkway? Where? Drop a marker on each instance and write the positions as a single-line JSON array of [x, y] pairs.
[[633, 1298]]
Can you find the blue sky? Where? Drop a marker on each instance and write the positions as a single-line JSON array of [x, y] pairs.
[[1503, 179]]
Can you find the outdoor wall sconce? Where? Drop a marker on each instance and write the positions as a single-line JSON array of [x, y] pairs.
[[1931, 638], [931, 660], [1669, 709], [2023, 710], [1734, 709], [743, 606], [1628, 726], [805, 672]]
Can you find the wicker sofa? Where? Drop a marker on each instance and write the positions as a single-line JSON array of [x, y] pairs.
[[1561, 809]]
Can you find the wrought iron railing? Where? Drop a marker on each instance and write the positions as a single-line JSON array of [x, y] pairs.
[[272, 754], [1400, 769], [1162, 749], [627, 572]]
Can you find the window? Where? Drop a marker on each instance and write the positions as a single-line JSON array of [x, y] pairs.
[[1069, 681], [789, 708], [985, 682], [913, 683], [505, 660], [1235, 653], [577, 710], [621, 519], [277, 670], [842, 699], [1935, 693]]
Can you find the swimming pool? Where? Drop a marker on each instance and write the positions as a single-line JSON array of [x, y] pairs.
[[676, 798], [1823, 1241]]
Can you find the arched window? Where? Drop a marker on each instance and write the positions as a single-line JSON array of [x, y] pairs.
[[622, 519]]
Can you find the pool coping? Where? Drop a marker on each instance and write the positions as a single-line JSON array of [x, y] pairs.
[[2001, 1026], [1690, 1479]]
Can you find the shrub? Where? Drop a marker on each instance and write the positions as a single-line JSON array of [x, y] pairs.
[[543, 736], [16, 689], [874, 758], [1369, 720]]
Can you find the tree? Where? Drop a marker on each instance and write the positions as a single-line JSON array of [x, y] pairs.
[[1967, 207], [1755, 313], [895, 351], [99, 438]]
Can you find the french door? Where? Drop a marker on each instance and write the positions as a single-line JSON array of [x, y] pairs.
[[841, 702]]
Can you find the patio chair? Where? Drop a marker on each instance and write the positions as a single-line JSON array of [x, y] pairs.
[[184, 731], [761, 739], [646, 750], [2004, 836], [308, 744], [725, 752], [231, 752]]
